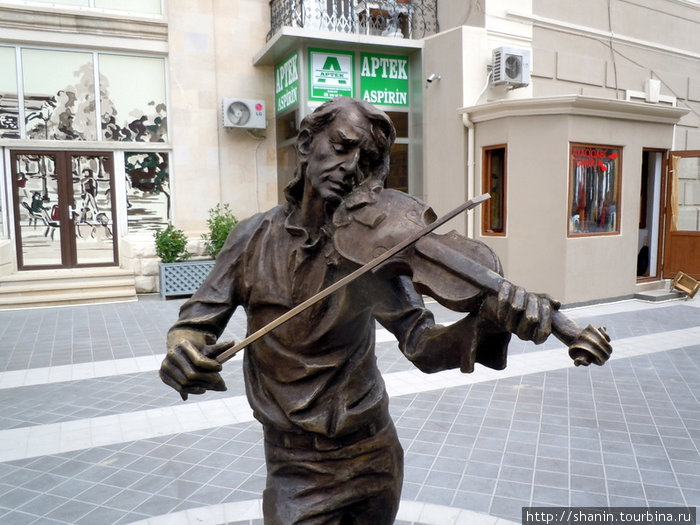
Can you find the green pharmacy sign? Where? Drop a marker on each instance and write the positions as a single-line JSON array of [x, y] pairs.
[[384, 79], [287, 83], [331, 74]]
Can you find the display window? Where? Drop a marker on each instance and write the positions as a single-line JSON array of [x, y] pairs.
[[132, 91], [147, 190], [594, 189], [152, 7], [59, 94], [493, 211], [9, 101]]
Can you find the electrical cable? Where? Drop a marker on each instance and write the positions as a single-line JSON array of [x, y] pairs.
[[655, 73], [612, 49], [260, 140], [486, 85]]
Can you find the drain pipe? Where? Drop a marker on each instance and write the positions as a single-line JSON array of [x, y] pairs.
[[471, 146], [471, 183]]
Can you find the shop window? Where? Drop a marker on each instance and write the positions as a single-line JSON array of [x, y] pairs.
[[9, 101], [398, 174], [287, 130], [400, 120], [147, 190], [134, 6], [132, 91], [59, 95], [286, 164], [594, 189], [287, 127], [397, 178], [493, 211], [79, 3]]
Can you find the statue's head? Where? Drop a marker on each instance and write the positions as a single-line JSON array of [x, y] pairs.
[[341, 136]]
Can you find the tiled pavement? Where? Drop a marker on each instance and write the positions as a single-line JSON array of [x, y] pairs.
[[89, 435]]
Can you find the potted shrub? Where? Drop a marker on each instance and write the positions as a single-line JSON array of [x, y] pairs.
[[171, 244], [220, 222], [178, 274]]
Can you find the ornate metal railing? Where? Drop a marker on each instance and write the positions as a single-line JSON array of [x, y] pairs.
[[392, 18]]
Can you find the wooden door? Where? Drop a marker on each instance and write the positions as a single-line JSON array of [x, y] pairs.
[[682, 222]]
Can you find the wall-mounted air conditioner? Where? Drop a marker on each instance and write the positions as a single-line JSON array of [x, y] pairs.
[[511, 66], [244, 113]]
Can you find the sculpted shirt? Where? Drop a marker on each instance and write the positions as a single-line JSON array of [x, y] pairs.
[[318, 372]]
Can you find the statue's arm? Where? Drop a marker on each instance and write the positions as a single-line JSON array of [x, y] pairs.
[[432, 347], [204, 317]]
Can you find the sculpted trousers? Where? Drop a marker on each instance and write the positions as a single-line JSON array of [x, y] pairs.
[[354, 484]]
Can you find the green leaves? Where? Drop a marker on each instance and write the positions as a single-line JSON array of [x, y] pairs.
[[221, 221], [171, 244]]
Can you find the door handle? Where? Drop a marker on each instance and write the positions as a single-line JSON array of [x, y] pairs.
[[72, 212]]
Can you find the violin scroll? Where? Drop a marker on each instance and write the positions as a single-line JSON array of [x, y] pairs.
[[591, 346]]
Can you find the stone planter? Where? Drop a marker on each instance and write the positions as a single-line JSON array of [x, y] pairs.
[[183, 278]]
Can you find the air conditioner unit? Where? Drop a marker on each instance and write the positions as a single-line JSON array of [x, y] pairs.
[[244, 113], [511, 66]]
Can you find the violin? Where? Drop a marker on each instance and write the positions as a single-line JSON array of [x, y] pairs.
[[458, 272]]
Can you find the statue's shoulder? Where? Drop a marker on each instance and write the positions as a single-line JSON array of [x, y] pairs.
[[372, 220]]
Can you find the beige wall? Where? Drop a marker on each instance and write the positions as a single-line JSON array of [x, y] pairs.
[[212, 44], [582, 48], [454, 55]]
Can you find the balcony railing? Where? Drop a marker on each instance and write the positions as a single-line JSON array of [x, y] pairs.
[[392, 18]]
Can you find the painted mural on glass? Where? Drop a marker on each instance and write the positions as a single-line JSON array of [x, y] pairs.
[[92, 193], [132, 98], [147, 190], [47, 195], [59, 95], [9, 101], [37, 195]]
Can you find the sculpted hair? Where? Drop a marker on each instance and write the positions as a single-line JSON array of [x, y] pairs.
[[381, 131]]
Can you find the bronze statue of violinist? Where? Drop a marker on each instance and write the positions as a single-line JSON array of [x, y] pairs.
[[331, 449]]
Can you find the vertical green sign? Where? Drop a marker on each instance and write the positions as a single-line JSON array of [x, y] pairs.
[[331, 74], [384, 79], [287, 83]]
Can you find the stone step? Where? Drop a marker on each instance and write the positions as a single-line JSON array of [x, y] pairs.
[[656, 296], [42, 288]]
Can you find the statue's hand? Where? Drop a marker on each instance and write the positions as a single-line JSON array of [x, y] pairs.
[[527, 315], [187, 370]]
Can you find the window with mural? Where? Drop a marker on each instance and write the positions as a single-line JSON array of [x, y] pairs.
[[134, 6], [147, 190], [493, 211], [9, 101], [594, 189], [132, 91], [59, 95]]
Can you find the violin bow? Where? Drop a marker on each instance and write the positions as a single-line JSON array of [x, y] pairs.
[[231, 348]]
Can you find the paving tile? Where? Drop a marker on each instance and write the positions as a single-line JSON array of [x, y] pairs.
[[472, 442], [507, 507], [70, 511], [38, 505], [513, 490], [551, 495]]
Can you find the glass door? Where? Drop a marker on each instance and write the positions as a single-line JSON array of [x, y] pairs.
[[64, 213]]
